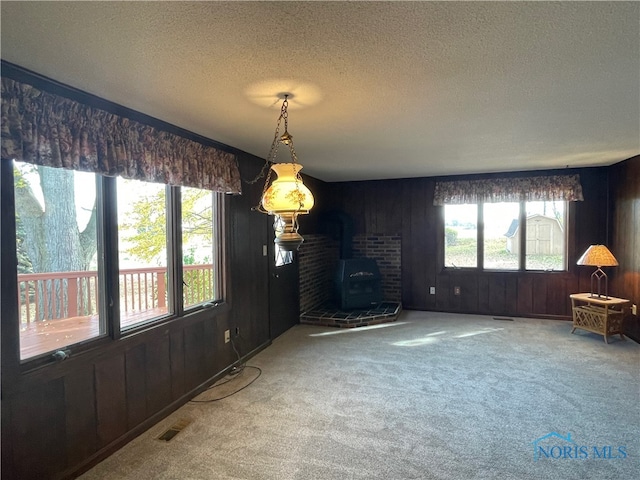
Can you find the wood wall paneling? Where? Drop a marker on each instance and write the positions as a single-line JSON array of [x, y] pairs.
[[7, 461], [625, 237], [38, 430], [418, 270], [539, 294], [497, 294], [194, 356], [511, 295], [80, 419], [212, 346], [467, 301], [486, 294], [111, 399], [136, 386], [557, 300], [177, 359], [158, 375], [249, 232], [592, 215], [444, 293]]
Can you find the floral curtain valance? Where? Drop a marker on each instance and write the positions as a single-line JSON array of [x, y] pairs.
[[554, 187], [47, 129]]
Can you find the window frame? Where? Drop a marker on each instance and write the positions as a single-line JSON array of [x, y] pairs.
[[108, 272], [569, 235], [218, 251]]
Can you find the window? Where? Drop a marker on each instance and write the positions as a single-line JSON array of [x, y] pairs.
[[499, 242], [500, 251], [546, 236], [461, 236], [142, 244], [201, 241], [57, 250], [61, 236]]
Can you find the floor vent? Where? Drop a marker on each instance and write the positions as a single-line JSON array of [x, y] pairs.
[[174, 430], [504, 319]]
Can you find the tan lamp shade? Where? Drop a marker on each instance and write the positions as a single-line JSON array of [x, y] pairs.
[[598, 256], [287, 193]]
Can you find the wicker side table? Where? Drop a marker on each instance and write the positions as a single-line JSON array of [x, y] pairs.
[[598, 314]]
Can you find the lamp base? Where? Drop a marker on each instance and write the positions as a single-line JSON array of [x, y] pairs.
[[286, 228], [597, 277]]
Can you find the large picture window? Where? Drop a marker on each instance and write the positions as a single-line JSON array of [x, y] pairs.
[[498, 244], [59, 244], [507, 223]]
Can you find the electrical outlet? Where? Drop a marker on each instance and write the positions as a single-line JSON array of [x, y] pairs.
[[432, 290], [227, 336], [634, 309], [456, 290], [237, 331]]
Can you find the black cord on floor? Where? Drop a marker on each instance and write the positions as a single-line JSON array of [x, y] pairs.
[[236, 370], [227, 381]]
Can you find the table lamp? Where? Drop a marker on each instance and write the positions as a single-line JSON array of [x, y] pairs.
[[598, 256]]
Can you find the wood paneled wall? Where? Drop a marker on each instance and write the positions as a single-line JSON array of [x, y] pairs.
[[405, 207], [62, 418], [624, 181]]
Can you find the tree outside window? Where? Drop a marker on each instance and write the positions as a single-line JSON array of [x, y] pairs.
[[56, 243]]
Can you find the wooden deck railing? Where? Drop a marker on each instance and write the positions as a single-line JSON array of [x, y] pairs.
[[50, 296]]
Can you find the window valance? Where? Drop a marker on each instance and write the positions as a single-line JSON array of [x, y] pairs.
[[494, 190], [46, 129]]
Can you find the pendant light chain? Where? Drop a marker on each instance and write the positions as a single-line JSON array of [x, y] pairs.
[[285, 138], [271, 157], [273, 151]]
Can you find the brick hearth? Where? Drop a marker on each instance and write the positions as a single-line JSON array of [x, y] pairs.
[[329, 316]]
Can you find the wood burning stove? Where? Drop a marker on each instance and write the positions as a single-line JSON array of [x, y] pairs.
[[358, 283]]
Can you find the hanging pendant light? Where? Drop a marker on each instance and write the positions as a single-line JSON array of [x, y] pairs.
[[287, 196]]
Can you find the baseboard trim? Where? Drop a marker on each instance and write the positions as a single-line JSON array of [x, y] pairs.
[[488, 314]]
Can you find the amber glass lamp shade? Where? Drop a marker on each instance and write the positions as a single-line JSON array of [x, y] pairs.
[[287, 197], [287, 193]]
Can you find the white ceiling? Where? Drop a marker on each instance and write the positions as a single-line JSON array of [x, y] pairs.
[[380, 89]]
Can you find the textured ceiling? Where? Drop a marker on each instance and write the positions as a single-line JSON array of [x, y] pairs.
[[380, 89]]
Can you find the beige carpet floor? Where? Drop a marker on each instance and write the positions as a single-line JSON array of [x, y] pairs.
[[431, 396]]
